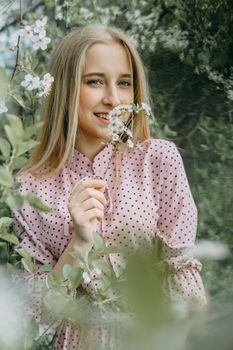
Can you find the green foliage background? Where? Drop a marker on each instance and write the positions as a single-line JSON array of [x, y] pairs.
[[187, 48]]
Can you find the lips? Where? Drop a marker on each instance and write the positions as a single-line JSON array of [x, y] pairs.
[[102, 115]]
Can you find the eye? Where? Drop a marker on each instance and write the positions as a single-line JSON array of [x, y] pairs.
[[94, 82], [125, 83]]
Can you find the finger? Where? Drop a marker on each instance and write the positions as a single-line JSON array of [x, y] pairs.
[[95, 183], [94, 213], [92, 203], [88, 183], [91, 193]]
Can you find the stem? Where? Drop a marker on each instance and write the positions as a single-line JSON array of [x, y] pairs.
[[17, 57], [21, 11]]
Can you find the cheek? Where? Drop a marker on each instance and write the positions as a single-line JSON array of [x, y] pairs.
[[128, 97], [89, 97]]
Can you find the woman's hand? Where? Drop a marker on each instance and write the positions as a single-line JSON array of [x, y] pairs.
[[86, 207]]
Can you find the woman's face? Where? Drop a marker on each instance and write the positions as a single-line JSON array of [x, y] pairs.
[[106, 82]]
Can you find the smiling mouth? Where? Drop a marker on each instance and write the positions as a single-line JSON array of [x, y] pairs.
[[102, 115]]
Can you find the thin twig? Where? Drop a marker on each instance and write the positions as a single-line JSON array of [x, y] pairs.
[[17, 58], [21, 11], [18, 18]]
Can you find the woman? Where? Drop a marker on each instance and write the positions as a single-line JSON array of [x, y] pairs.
[[126, 197]]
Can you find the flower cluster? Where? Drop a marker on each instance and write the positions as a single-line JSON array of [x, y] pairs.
[[3, 107], [32, 83], [119, 130], [37, 35], [86, 277]]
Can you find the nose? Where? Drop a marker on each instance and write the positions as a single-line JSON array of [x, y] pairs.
[[112, 97]]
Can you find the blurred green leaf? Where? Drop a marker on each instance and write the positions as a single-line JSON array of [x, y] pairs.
[[28, 265], [9, 238], [66, 270], [103, 266], [18, 163], [6, 178], [47, 268], [23, 253], [4, 84], [5, 147], [16, 125], [25, 146], [98, 241], [37, 203], [18, 99], [75, 277], [32, 130], [5, 221], [14, 201], [11, 135]]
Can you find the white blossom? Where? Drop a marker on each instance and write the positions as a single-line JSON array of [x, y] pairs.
[[3, 107], [30, 82], [86, 277], [28, 32], [210, 250], [40, 42], [118, 129], [45, 85], [130, 143], [40, 25], [97, 271]]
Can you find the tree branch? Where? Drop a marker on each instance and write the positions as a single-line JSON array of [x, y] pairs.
[[18, 18], [17, 58]]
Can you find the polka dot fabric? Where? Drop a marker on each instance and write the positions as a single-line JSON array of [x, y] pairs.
[[153, 200]]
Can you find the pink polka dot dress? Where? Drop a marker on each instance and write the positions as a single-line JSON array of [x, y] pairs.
[[153, 199]]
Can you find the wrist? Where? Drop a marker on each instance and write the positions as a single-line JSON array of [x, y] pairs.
[[77, 243]]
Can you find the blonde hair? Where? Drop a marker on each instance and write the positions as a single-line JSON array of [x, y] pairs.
[[58, 135]]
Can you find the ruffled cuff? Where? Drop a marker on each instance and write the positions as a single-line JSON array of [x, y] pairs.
[[182, 280]]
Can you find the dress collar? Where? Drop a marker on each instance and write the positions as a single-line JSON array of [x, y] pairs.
[[100, 163]]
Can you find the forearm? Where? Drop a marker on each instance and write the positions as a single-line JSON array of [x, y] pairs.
[[74, 245]]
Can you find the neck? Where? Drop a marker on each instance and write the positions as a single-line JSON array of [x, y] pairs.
[[90, 148]]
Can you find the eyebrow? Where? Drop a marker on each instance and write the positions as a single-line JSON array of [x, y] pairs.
[[103, 75]]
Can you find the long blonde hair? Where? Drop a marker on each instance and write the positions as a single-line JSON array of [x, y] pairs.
[[58, 135]]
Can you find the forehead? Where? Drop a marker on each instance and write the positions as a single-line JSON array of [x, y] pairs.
[[107, 57]]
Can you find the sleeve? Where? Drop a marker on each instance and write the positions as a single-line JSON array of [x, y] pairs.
[[29, 228], [176, 230]]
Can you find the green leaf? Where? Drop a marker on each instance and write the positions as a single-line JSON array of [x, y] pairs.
[[5, 147], [98, 241], [80, 258], [9, 238], [18, 163], [23, 253], [47, 268], [32, 130], [4, 84], [24, 146], [53, 279], [66, 270], [37, 203], [18, 99], [6, 178], [113, 250], [5, 221], [28, 265], [16, 125], [11, 136], [14, 201], [75, 277], [103, 266]]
